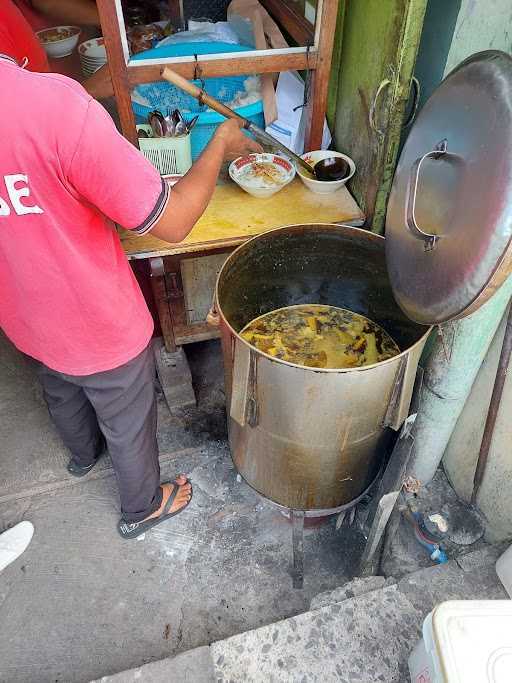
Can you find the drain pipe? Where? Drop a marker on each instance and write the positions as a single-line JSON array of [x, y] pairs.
[[449, 373], [492, 414]]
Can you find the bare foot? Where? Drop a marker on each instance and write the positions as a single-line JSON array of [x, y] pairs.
[[182, 497]]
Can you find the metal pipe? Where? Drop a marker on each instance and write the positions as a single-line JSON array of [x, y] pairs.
[[450, 371], [494, 405]]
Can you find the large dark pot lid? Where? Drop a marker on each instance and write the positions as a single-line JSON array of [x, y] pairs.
[[449, 219]]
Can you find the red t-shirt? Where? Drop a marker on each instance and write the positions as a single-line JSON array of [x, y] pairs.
[[67, 294], [18, 40]]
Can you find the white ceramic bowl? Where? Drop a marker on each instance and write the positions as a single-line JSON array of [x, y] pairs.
[[92, 55], [240, 170], [93, 49], [320, 186], [62, 47], [91, 62], [89, 72]]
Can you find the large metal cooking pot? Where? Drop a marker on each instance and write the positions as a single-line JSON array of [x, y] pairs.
[[311, 439]]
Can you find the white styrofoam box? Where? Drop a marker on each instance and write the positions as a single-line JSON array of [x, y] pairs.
[[504, 570], [466, 641]]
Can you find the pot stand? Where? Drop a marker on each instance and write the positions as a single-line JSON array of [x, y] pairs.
[[298, 547], [298, 517]]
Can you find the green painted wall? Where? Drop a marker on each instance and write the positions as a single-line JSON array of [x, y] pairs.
[[334, 81], [379, 43]]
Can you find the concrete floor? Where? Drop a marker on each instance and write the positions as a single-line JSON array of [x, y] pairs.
[[81, 603]]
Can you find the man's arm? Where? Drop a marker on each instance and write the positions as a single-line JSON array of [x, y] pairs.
[[190, 196], [110, 173], [82, 12]]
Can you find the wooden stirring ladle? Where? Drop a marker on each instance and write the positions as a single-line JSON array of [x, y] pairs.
[[331, 169]]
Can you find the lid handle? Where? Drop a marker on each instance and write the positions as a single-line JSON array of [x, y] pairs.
[[430, 240], [371, 114]]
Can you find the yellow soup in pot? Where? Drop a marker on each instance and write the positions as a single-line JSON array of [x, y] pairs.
[[320, 337]]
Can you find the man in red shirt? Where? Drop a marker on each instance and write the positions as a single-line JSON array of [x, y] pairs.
[[68, 297]]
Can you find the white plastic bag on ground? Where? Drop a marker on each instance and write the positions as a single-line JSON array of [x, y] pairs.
[[14, 542]]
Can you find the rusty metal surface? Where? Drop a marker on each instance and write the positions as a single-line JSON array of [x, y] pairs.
[[494, 406], [449, 220], [307, 438], [317, 513]]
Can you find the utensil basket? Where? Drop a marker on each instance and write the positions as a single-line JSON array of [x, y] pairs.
[[169, 156]]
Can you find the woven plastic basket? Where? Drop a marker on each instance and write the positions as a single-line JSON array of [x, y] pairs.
[[170, 156]]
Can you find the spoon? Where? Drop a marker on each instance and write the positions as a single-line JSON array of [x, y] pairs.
[[175, 123], [170, 127], [192, 123], [176, 117], [326, 170], [158, 124]]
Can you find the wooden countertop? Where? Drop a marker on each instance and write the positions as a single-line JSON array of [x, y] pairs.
[[233, 216]]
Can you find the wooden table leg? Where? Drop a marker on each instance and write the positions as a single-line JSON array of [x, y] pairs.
[[171, 362], [162, 302]]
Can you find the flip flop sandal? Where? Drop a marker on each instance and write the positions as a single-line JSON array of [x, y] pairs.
[[134, 529], [78, 470]]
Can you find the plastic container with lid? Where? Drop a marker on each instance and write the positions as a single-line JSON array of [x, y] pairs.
[[504, 570], [465, 642]]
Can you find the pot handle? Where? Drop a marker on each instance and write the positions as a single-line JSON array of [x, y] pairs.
[[244, 404], [400, 399], [213, 317], [372, 113], [441, 150], [416, 90]]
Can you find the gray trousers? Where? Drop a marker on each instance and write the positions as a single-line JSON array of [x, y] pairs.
[[119, 404]]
